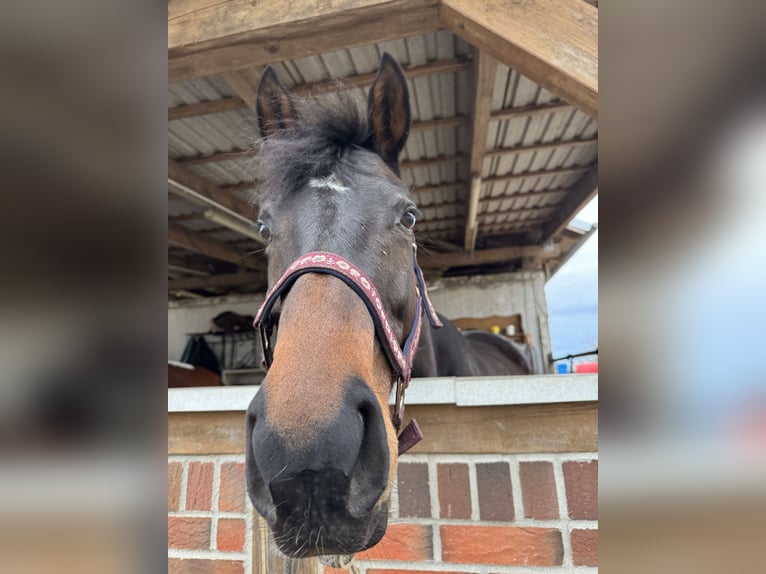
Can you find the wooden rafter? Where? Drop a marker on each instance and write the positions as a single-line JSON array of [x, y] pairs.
[[432, 261], [446, 65], [244, 83], [257, 278], [185, 182], [182, 237], [552, 42], [209, 37], [577, 198], [482, 107]]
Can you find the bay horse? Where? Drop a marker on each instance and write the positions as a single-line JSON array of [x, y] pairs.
[[347, 300]]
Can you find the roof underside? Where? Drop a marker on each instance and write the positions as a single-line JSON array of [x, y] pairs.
[[531, 175]]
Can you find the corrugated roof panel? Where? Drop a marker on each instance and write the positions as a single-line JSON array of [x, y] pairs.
[[199, 90]]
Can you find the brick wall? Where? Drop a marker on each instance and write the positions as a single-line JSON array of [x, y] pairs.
[[483, 514], [210, 520]]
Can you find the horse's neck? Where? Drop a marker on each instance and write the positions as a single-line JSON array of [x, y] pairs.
[[443, 353]]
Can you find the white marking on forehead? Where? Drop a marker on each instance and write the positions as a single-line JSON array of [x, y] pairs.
[[329, 182]]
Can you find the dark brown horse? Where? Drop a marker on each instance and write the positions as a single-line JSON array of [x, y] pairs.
[[322, 448]]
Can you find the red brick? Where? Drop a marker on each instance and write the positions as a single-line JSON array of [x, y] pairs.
[[410, 542], [493, 481], [585, 547], [233, 489], [508, 545], [454, 491], [581, 481], [175, 470], [199, 486], [414, 497], [197, 566], [188, 532], [231, 535], [538, 487]]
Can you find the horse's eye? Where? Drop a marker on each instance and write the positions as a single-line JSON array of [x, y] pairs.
[[264, 231], [409, 218]]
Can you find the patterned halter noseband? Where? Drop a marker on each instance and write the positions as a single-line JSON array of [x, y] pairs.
[[400, 358]]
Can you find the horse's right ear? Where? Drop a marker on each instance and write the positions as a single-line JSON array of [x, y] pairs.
[[273, 103]]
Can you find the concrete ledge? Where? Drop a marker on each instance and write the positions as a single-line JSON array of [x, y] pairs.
[[460, 391]]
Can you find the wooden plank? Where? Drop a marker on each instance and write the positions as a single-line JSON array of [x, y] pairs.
[[541, 173], [529, 111], [448, 429], [552, 42], [212, 194], [224, 280], [482, 106], [182, 237], [497, 255], [577, 198], [244, 83], [446, 65], [202, 108], [207, 37], [540, 146]]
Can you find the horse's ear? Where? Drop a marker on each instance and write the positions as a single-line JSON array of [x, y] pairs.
[[388, 109], [273, 103]]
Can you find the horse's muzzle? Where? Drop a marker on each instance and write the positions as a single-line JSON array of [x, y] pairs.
[[320, 491]]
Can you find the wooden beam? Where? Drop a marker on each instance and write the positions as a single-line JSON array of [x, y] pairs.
[[214, 281], [203, 108], [509, 197], [186, 265], [577, 198], [483, 256], [541, 173], [182, 237], [439, 186], [482, 106], [540, 146], [244, 83], [447, 65], [207, 37], [529, 111], [204, 191], [552, 42]]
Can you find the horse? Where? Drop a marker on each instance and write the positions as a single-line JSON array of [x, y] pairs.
[[345, 305]]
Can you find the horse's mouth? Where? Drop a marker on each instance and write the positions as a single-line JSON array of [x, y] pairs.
[[342, 536]]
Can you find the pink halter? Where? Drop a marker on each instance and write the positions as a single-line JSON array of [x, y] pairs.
[[400, 358]]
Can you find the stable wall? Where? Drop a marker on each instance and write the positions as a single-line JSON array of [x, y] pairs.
[[505, 481], [482, 296]]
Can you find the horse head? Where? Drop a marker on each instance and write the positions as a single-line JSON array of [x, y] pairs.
[[322, 448]]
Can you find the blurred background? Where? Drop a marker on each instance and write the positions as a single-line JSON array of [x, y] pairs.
[[682, 148]]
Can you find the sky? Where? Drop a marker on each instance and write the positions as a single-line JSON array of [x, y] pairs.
[[572, 296]]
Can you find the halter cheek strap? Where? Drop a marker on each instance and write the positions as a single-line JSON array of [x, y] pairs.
[[400, 358]]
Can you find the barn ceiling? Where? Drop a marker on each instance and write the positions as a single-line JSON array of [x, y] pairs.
[[503, 150]]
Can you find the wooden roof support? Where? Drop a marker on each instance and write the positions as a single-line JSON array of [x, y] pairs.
[[203, 108], [209, 37], [446, 260], [179, 235], [257, 278], [244, 83], [482, 107], [540, 146], [447, 65], [577, 198], [185, 182], [552, 42], [529, 111]]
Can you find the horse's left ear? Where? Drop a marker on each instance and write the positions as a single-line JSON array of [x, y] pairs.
[[388, 109]]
